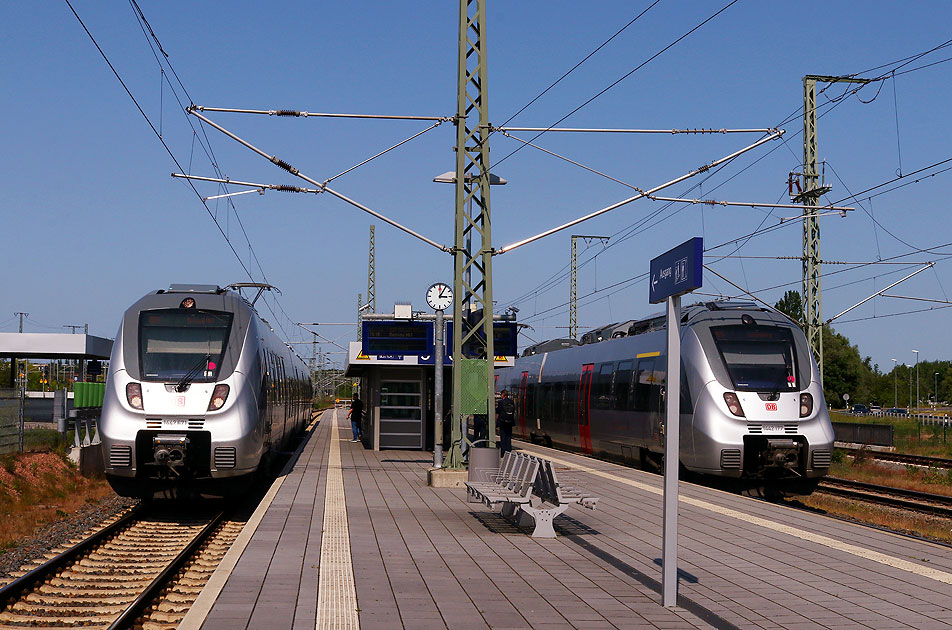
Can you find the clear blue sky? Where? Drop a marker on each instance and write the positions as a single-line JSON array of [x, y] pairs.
[[92, 219]]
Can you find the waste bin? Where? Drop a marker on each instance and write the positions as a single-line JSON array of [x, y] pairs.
[[483, 464]]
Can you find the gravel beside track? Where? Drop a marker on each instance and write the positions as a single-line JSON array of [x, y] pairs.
[[58, 535]]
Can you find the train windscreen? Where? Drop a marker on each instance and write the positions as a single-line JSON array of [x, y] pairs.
[[177, 343], [758, 358]]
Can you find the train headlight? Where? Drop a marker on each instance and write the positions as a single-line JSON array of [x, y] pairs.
[[806, 404], [733, 403], [134, 395], [219, 396]]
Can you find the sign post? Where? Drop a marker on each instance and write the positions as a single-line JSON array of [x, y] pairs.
[[672, 274], [439, 297]]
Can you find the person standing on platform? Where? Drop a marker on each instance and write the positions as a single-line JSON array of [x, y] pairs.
[[505, 419], [355, 414]]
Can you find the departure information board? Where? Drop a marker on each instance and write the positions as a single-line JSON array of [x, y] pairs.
[[397, 337]]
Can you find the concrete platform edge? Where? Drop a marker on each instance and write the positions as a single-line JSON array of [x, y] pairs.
[[199, 610], [445, 478]]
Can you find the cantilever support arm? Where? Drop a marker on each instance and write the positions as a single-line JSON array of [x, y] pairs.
[[193, 110], [883, 290], [640, 195]]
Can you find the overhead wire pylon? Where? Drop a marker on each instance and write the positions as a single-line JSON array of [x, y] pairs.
[[473, 328], [813, 189], [371, 276]]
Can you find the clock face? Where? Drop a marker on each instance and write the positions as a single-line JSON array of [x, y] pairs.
[[439, 296]]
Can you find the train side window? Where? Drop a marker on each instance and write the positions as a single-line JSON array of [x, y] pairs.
[[644, 381], [558, 402], [530, 402], [622, 384], [571, 402], [602, 387], [547, 404]]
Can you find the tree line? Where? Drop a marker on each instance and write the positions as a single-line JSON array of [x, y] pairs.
[[846, 371]]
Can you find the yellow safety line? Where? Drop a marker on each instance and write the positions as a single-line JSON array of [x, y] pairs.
[[199, 610], [336, 593], [826, 541]]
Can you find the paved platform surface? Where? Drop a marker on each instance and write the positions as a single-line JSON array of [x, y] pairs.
[[423, 557]]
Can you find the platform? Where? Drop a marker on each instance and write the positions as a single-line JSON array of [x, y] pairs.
[[393, 552]]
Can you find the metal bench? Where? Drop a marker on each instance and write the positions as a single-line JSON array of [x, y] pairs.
[[549, 499], [511, 487], [494, 478]]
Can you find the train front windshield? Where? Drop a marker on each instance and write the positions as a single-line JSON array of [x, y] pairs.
[[176, 343], [758, 358]]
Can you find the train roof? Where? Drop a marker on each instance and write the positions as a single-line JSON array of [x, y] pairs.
[[549, 346], [657, 321]]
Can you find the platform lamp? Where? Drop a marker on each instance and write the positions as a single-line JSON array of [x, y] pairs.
[[895, 384], [449, 177], [909, 370], [917, 379], [937, 390]]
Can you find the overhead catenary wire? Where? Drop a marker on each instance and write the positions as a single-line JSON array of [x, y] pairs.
[[823, 110], [697, 131], [164, 61], [625, 76], [583, 60], [619, 204], [711, 202], [304, 114], [284, 165]]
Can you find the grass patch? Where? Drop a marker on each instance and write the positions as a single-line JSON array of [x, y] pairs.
[[864, 468], [909, 436], [45, 440], [932, 527]]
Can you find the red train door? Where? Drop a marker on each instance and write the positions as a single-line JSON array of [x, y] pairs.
[[584, 396]]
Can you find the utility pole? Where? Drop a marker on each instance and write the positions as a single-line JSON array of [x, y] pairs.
[[371, 276], [22, 315], [360, 311], [73, 328], [573, 293], [313, 355], [14, 361], [472, 184], [813, 189]]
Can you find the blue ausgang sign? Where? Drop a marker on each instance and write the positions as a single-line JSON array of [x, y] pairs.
[[677, 271]]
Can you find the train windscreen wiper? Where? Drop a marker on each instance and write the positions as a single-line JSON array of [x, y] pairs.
[[183, 384]]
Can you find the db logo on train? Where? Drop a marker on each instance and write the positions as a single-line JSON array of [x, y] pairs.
[[771, 406]]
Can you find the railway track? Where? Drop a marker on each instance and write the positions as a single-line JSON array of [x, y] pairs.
[[903, 458], [935, 504], [145, 569]]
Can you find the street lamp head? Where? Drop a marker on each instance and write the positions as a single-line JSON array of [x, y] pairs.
[[449, 177]]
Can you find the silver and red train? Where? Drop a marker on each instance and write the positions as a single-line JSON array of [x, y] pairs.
[[751, 402]]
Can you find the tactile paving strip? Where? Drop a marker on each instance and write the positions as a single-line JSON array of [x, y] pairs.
[[336, 594]]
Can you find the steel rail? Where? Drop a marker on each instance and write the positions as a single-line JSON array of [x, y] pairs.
[[941, 505], [904, 458], [127, 618], [30, 580]]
